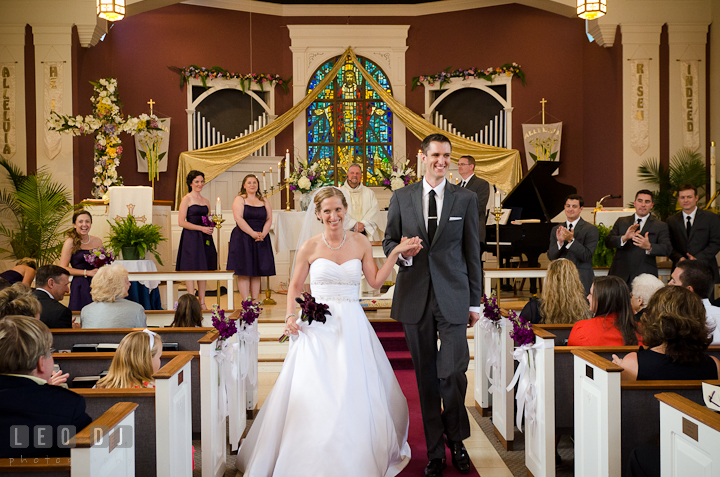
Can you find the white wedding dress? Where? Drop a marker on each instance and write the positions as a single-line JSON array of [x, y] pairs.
[[336, 408]]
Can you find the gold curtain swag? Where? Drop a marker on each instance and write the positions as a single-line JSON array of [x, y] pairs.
[[494, 164]]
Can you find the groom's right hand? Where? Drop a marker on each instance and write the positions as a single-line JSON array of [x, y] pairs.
[[413, 251]]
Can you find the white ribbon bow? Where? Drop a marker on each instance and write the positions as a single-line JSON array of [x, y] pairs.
[[248, 336], [492, 342], [228, 387], [526, 381]]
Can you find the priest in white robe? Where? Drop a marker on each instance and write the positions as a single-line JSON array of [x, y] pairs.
[[363, 208]]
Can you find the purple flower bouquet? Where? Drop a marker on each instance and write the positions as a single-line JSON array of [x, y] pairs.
[[99, 257], [311, 311]]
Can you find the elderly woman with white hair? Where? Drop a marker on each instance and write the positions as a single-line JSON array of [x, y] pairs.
[[110, 309], [643, 287]]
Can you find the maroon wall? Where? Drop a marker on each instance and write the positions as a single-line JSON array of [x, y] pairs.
[[580, 80]]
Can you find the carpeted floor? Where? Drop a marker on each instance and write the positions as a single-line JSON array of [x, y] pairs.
[[416, 435], [515, 460]]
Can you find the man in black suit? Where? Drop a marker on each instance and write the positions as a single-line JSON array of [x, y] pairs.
[[694, 233], [575, 240], [466, 168], [638, 238], [438, 293], [52, 285], [27, 400]]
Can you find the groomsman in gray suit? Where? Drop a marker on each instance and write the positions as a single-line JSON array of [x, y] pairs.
[[438, 292], [638, 238], [694, 233], [575, 240], [466, 168]]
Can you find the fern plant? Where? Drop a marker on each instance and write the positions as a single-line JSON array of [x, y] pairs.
[[127, 233], [686, 167], [34, 214]]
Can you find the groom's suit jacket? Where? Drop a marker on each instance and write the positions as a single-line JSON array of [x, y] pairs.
[[451, 262], [703, 242], [630, 260]]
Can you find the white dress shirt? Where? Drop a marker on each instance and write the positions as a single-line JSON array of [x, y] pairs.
[[692, 217], [642, 224], [567, 226], [439, 197]]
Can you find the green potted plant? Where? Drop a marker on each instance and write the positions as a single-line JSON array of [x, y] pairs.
[[34, 213], [134, 240]]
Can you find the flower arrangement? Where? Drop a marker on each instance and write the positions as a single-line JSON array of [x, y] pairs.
[[491, 309], [207, 222], [151, 135], [508, 69], [99, 257], [311, 311], [249, 312], [226, 326], [216, 72], [107, 124], [396, 177], [522, 331], [306, 177]]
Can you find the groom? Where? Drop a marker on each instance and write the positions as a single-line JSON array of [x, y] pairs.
[[438, 292]]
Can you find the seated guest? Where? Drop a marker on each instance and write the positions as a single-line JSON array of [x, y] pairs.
[[19, 300], [23, 271], [3, 283], [676, 336], [51, 285], [26, 365], [642, 289], [697, 277], [563, 298], [136, 360], [613, 324], [110, 309], [188, 313]]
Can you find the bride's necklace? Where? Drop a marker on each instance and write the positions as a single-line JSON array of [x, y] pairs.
[[334, 248]]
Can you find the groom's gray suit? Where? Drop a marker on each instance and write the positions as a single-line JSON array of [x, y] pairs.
[[433, 295]]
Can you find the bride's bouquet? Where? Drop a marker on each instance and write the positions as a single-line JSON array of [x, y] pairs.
[[311, 311]]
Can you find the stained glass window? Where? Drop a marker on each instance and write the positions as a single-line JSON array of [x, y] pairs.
[[348, 123]]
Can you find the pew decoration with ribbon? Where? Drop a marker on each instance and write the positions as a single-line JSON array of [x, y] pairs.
[[491, 322], [525, 374], [248, 336], [311, 311]]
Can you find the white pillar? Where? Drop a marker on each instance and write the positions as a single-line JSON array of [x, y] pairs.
[[53, 43], [687, 43], [640, 41]]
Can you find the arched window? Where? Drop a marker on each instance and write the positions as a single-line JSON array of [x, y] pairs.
[[348, 123]]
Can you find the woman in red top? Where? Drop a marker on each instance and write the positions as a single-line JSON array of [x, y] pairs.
[[613, 324]]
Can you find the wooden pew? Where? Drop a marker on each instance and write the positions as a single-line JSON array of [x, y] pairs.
[[164, 318], [186, 338], [612, 418], [214, 439], [92, 364], [98, 450], [163, 437], [689, 437]]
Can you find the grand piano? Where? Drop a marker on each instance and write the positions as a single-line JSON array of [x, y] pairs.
[[537, 196]]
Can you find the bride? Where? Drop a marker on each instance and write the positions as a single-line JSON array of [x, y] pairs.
[[336, 408]]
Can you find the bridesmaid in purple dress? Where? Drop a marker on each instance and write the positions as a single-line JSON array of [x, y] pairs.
[[196, 251], [250, 253], [76, 246]]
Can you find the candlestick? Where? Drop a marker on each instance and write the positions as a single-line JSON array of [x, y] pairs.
[[264, 182], [287, 164], [713, 173], [218, 207], [218, 220], [279, 180]]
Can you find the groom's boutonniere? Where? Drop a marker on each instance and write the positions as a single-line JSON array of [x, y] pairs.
[[311, 311]]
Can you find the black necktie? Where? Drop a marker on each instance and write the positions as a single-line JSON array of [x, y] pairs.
[[639, 222], [462, 184], [688, 226], [432, 215], [569, 227]]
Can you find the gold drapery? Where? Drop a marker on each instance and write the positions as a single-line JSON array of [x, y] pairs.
[[494, 164]]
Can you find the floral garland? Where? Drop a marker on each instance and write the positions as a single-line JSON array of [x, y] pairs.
[[107, 122], [216, 72], [308, 178], [396, 177], [508, 69]]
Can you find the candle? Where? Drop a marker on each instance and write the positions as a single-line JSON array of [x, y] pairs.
[[218, 208], [287, 164], [279, 180], [419, 164], [264, 183], [271, 177], [497, 198], [713, 173], [451, 177]]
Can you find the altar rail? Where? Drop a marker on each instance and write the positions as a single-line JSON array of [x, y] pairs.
[[170, 277]]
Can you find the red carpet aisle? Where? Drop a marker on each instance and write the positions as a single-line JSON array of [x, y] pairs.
[[393, 340]]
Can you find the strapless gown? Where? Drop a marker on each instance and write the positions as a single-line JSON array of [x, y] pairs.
[[80, 286], [336, 409], [196, 250]]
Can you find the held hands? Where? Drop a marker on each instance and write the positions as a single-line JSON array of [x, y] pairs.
[[473, 318], [359, 227], [409, 247], [630, 234], [58, 378], [642, 241], [259, 236]]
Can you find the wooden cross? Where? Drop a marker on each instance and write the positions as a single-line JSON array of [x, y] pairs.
[[151, 102], [543, 109], [131, 207]]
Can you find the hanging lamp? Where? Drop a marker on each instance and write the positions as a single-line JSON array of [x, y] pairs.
[[591, 9], [111, 10]]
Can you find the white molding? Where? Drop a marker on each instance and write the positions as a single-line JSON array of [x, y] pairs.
[[603, 33], [90, 33], [313, 45], [684, 33]]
